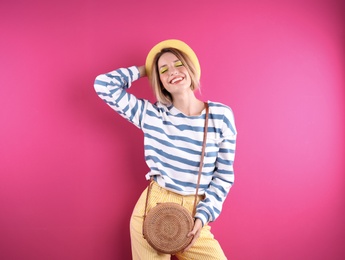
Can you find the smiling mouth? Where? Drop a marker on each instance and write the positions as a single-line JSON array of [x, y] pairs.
[[176, 80]]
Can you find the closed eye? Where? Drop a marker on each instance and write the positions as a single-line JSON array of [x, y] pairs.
[[163, 70], [178, 63]]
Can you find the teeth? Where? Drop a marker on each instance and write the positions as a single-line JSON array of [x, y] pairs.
[[176, 79]]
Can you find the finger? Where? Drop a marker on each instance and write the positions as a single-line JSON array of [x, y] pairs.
[[196, 236], [194, 231], [190, 244]]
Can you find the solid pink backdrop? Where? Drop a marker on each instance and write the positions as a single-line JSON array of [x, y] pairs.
[[71, 169]]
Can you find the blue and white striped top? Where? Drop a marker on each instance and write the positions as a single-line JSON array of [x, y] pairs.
[[173, 142]]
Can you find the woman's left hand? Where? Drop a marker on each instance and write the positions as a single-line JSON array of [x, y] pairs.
[[195, 233]]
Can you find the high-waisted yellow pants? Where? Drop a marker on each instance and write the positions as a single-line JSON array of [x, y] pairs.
[[205, 248]]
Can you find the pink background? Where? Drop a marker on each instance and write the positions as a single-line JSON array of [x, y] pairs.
[[72, 169]]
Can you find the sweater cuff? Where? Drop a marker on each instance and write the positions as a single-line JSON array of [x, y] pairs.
[[135, 71], [202, 217]]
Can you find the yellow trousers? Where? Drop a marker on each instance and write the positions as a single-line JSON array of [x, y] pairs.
[[205, 248]]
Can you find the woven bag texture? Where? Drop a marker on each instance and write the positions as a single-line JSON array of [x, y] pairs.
[[166, 227]]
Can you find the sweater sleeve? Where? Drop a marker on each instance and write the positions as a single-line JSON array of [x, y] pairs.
[[223, 177], [112, 89]]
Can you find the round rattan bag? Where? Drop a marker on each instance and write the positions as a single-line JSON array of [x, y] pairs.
[[166, 227]]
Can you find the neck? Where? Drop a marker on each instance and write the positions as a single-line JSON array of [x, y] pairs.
[[188, 104]]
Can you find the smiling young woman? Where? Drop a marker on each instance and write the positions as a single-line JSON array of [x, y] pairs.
[[184, 61], [173, 131]]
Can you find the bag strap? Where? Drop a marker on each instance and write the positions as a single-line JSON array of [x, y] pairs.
[[201, 159], [200, 168]]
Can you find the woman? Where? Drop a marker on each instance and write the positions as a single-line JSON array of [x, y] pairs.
[[173, 133]]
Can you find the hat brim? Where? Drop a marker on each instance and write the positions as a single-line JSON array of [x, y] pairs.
[[172, 43]]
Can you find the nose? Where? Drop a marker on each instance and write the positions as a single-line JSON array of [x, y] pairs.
[[173, 70]]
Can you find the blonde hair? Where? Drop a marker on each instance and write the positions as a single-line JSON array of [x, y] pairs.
[[162, 95]]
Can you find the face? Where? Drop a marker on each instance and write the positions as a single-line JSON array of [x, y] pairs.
[[173, 74]]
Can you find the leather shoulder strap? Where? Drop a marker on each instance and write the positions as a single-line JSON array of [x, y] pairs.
[[201, 159]]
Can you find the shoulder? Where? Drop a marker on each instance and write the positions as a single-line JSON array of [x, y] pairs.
[[158, 108], [225, 114], [220, 108]]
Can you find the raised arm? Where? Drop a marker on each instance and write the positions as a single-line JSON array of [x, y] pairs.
[[112, 89]]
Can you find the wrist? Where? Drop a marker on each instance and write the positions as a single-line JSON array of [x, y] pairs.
[[199, 220], [142, 71]]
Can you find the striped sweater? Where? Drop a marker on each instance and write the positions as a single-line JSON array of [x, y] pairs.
[[173, 142]]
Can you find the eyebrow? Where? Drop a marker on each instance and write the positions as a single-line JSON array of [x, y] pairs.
[[165, 65]]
